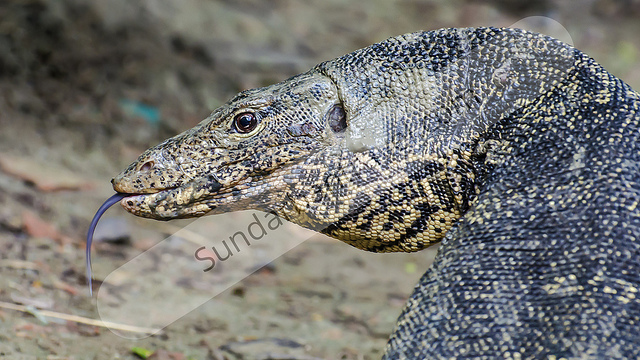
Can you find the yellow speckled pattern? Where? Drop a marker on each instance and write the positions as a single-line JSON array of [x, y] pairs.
[[518, 152]]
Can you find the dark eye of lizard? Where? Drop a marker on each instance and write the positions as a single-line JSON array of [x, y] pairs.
[[245, 122]]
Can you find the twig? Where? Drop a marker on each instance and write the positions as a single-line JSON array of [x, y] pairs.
[[18, 264], [80, 319]]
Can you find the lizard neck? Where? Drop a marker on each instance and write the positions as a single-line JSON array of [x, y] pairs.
[[414, 155]]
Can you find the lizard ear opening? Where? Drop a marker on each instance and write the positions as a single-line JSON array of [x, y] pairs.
[[337, 118]]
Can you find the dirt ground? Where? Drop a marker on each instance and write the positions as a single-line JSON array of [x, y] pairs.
[[85, 86]]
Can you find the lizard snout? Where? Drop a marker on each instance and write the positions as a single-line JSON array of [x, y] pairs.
[[150, 173]]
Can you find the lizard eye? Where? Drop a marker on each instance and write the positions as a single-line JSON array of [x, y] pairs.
[[245, 122]]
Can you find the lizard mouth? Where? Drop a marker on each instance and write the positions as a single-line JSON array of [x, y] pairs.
[[187, 200], [197, 197]]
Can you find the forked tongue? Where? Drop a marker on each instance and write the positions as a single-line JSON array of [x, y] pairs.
[[92, 228]]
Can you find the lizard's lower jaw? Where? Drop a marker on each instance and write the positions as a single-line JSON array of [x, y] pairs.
[[188, 200]]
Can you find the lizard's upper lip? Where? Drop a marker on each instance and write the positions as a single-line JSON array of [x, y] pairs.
[[156, 195], [147, 192], [130, 197]]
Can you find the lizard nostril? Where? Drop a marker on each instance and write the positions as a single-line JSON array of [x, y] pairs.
[[147, 166]]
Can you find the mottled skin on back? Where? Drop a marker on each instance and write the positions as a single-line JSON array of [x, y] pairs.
[[518, 152]]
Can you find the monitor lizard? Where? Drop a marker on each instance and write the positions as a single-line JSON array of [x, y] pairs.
[[517, 152]]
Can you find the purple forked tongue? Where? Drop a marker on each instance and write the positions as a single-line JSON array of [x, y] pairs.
[[107, 204]]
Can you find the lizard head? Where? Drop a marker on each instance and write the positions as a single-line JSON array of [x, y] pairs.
[[307, 151], [240, 156]]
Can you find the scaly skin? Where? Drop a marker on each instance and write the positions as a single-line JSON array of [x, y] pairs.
[[517, 151]]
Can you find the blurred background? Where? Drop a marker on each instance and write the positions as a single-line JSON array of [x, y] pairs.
[[86, 86]]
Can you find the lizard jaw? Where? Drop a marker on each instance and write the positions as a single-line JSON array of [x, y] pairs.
[[187, 200], [200, 197]]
